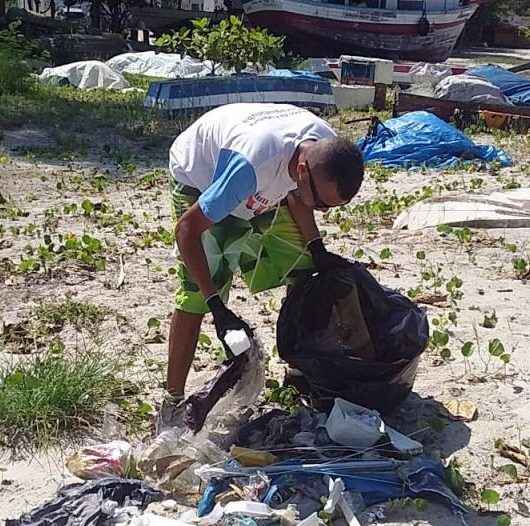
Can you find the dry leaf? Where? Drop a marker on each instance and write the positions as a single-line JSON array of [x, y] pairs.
[[460, 409], [429, 298], [513, 453]]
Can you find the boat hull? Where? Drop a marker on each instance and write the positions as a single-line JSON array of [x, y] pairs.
[[329, 32]]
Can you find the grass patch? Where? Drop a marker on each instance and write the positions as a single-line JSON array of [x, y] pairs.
[[47, 396], [81, 111], [137, 80], [79, 314]]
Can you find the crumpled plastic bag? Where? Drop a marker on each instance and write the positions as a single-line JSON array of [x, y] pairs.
[[171, 459], [216, 411], [352, 425], [87, 504], [102, 460]]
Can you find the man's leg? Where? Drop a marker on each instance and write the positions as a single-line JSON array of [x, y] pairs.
[[183, 336]]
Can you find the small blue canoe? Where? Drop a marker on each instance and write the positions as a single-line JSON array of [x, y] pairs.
[[185, 96]]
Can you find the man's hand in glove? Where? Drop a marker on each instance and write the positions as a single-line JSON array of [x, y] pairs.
[[325, 260], [225, 320]]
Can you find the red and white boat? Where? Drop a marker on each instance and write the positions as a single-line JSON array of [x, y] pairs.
[[418, 30]]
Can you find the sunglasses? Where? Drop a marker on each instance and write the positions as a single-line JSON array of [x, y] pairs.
[[316, 197]]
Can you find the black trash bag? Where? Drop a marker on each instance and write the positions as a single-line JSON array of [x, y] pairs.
[[352, 338], [81, 504]]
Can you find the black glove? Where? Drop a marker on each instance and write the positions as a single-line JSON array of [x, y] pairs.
[[324, 260], [225, 320]]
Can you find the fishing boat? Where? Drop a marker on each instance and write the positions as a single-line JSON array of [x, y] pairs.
[[418, 30]]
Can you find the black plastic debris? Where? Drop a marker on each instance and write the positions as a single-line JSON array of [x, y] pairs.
[[352, 338], [200, 403], [84, 504]]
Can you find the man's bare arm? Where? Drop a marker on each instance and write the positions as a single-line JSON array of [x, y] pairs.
[[188, 236]]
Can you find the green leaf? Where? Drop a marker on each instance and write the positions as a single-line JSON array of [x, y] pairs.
[[420, 255], [359, 253], [490, 496], [385, 253], [204, 340], [506, 358], [153, 323], [495, 347], [444, 229], [504, 520], [145, 409], [467, 349], [420, 504], [87, 206], [510, 470], [440, 338]]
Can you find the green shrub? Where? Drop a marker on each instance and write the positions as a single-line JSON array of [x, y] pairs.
[[229, 44], [15, 75], [16, 54]]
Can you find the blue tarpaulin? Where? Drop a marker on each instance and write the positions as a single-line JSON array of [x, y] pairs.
[[420, 138], [515, 87], [419, 477]]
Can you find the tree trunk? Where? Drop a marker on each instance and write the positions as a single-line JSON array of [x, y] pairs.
[[2, 7]]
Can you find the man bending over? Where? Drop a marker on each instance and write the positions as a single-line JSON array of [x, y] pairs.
[[245, 181]]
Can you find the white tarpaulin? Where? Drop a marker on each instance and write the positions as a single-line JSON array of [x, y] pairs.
[[162, 65], [85, 75], [426, 73], [506, 209], [467, 88]]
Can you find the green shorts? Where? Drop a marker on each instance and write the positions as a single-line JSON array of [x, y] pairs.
[[267, 250]]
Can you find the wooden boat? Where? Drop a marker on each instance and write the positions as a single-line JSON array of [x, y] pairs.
[[417, 30]]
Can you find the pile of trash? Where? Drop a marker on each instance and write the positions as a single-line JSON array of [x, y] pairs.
[[233, 463], [301, 468]]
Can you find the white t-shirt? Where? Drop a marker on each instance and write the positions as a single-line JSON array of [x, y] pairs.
[[237, 156]]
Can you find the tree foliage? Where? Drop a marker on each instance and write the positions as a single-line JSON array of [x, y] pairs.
[[16, 55], [229, 44]]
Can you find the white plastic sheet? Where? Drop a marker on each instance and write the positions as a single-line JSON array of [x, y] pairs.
[[87, 74], [163, 65], [506, 209], [467, 88]]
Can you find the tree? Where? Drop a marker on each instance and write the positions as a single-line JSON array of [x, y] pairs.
[[229, 44]]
